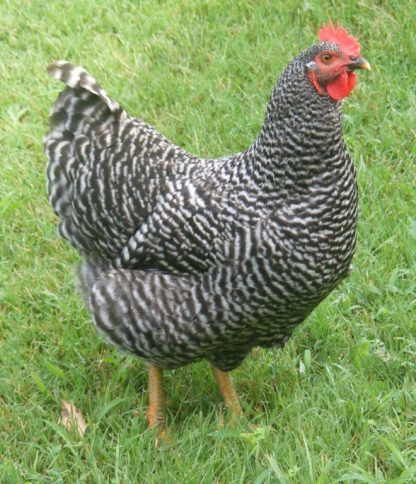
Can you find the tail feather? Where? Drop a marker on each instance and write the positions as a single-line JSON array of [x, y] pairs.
[[76, 76]]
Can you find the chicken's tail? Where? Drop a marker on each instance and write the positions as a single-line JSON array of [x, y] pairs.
[[77, 77], [83, 117]]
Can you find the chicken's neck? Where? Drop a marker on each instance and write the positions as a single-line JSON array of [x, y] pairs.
[[301, 143]]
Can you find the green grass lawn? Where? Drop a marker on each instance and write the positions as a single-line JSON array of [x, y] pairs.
[[338, 404]]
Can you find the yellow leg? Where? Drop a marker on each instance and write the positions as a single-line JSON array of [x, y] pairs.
[[227, 391], [156, 409]]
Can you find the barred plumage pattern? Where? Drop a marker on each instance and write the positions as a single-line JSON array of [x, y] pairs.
[[187, 258]]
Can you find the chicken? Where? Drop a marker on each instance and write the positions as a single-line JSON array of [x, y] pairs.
[[187, 259]]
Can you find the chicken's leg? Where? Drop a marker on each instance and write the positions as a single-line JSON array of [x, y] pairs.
[[156, 409], [227, 391]]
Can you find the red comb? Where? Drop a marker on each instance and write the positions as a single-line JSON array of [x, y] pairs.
[[339, 36]]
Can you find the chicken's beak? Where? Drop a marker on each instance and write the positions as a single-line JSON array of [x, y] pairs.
[[359, 63]]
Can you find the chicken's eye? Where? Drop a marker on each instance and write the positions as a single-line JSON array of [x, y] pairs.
[[327, 58]]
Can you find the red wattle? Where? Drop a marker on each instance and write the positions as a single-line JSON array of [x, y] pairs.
[[352, 81], [341, 86]]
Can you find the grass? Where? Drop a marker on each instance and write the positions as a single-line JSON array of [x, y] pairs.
[[338, 404]]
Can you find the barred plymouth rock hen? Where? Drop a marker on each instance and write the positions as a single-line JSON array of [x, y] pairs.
[[187, 258]]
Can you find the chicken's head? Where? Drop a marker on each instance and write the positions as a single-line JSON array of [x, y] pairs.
[[332, 69]]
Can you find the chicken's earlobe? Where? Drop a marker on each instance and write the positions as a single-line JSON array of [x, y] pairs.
[[315, 83]]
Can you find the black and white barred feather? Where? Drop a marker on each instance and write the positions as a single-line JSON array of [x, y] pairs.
[[186, 258]]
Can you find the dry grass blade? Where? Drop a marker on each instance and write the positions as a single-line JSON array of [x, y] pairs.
[[71, 417]]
